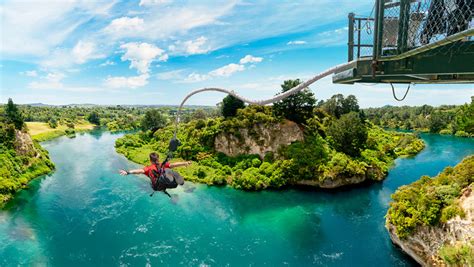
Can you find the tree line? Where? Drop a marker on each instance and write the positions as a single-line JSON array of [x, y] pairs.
[[446, 119]]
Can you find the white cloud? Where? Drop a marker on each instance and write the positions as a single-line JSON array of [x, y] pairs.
[[107, 63], [141, 55], [224, 71], [125, 26], [332, 37], [84, 51], [170, 75], [154, 2], [35, 27], [227, 70], [52, 80], [296, 42], [30, 73], [190, 47], [250, 59], [196, 77], [127, 82]]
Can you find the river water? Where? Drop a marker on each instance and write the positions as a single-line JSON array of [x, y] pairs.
[[86, 214]]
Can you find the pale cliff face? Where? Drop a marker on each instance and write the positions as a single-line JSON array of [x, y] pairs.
[[24, 145], [425, 243], [259, 139]]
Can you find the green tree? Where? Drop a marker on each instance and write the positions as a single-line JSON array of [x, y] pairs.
[[437, 122], [230, 105], [53, 123], [337, 105], [154, 120], [298, 107], [94, 118], [349, 134], [13, 115]]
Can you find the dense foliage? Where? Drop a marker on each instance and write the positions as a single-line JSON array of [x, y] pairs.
[[318, 157], [298, 107], [13, 116], [17, 169], [457, 120], [430, 201], [339, 105], [154, 119], [230, 105], [349, 134]]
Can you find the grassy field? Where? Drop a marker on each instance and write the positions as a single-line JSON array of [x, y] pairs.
[[41, 131]]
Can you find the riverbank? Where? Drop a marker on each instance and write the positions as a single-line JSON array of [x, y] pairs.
[[41, 131], [22, 161]]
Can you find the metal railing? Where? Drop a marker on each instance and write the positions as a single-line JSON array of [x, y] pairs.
[[399, 26]]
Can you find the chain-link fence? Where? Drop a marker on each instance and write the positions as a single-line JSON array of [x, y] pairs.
[[414, 23], [409, 24]]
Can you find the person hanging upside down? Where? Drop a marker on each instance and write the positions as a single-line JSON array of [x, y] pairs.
[[160, 175]]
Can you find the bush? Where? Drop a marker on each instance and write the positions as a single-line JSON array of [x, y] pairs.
[[462, 134]]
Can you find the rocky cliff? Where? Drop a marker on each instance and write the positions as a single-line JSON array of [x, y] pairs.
[[23, 144], [425, 244], [432, 219], [258, 139]]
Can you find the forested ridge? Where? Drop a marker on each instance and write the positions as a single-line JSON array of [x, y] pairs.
[[445, 119]]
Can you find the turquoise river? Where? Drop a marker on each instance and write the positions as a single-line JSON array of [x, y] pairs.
[[85, 214]]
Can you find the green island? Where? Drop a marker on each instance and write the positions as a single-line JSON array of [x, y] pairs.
[[424, 215], [294, 142], [445, 119]]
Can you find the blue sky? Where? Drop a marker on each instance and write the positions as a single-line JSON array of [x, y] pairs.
[[155, 51]]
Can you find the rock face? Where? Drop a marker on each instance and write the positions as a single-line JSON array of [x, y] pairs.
[[334, 183], [24, 144], [425, 243], [259, 139]]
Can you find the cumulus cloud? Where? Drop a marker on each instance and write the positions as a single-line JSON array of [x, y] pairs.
[[250, 59], [227, 70], [296, 42], [224, 71], [127, 82], [84, 51], [141, 55], [125, 26], [191, 47]]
